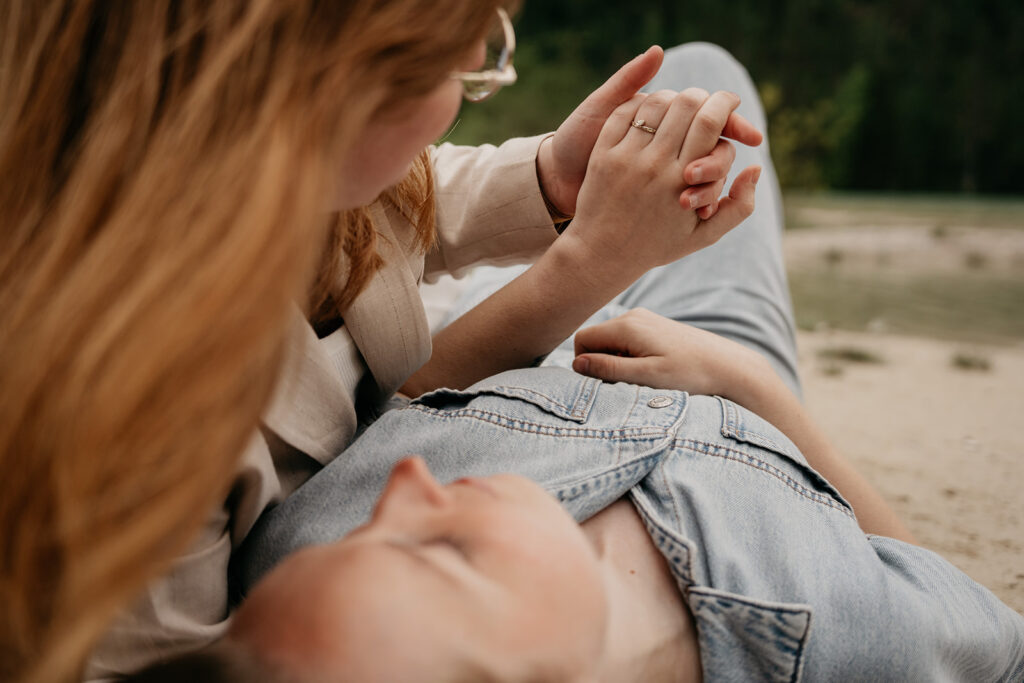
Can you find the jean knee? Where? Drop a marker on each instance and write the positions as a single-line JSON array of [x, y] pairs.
[[711, 67]]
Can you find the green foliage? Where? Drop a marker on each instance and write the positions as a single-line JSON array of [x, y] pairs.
[[861, 94], [813, 145]]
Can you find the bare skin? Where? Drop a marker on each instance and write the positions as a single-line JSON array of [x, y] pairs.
[[651, 635], [515, 582]]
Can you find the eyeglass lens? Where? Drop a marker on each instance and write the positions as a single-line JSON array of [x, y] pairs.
[[497, 58]]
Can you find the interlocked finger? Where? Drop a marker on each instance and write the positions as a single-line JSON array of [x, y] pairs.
[[707, 125], [678, 118], [712, 167], [700, 196]]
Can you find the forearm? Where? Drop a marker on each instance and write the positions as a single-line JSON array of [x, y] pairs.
[[523, 321], [765, 394]]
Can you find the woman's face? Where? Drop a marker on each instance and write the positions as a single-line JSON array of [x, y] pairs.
[[486, 571], [391, 141]]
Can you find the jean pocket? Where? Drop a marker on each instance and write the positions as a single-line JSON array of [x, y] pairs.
[[742, 426], [557, 391], [742, 639]]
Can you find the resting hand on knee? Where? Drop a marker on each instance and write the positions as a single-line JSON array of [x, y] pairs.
[[641, 347]]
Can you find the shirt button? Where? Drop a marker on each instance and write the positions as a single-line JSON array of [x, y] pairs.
[[660, 402]]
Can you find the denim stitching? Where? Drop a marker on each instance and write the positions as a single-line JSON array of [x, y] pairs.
[[751, 461], [675, 504], [584, 397], [574, 410], [515, 390], [644, 433], [713, 594], [629, 416], [659, 535], [571, 491], [788, 608], [502, 389], [729, 419]]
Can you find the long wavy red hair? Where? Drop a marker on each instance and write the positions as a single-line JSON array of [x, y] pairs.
[[163, 166]]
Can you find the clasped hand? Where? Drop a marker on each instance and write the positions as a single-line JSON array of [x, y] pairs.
[[640, 199], [630, 216]]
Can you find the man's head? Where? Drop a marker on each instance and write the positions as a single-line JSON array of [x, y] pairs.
[[480, 579]]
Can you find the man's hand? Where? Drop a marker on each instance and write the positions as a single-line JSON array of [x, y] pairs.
[[641, 347], [562, 159]]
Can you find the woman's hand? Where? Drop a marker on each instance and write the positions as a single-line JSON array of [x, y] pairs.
[[562, 159], [630, 216], [641, 347]]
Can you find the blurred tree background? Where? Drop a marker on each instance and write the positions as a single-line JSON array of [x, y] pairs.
[[903, 95]]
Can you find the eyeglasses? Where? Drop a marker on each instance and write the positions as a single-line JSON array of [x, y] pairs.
[[497, 70]]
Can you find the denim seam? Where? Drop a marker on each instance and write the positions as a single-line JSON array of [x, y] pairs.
[[672, 498], [571, 490], [768, 605], [729, 429], [798, 656], [660, 536], [550, 399], [756, 463], [639, 433], [584, 398], [575, 409], [629, 416]]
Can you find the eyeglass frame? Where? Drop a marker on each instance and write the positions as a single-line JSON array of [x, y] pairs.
[[500, 79]]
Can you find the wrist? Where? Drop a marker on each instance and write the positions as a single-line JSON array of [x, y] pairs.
[[545, 181], [573, 256], [749, 379]]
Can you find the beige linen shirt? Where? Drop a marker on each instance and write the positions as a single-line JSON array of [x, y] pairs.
[[489, 211]]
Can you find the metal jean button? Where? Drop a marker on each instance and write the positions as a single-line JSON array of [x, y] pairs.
[[660, 402]]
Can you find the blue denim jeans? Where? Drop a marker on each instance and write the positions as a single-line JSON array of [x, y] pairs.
[[782, 582]]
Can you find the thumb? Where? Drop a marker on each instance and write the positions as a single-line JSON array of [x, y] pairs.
[[613, 368], [623, 84]]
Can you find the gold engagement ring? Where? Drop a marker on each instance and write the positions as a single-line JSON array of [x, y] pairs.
[[639, 123]]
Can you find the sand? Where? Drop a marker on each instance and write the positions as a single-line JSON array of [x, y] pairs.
[[945, 446]]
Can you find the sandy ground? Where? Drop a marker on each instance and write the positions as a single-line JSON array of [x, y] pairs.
[[944, 445]]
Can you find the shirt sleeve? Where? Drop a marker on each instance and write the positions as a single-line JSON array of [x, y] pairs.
[[959, 630], [489, 207]]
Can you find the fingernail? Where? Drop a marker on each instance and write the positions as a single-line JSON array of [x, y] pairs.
[[757, 176], [693, 201], [698, 174], [581, 365], [644, 53]]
